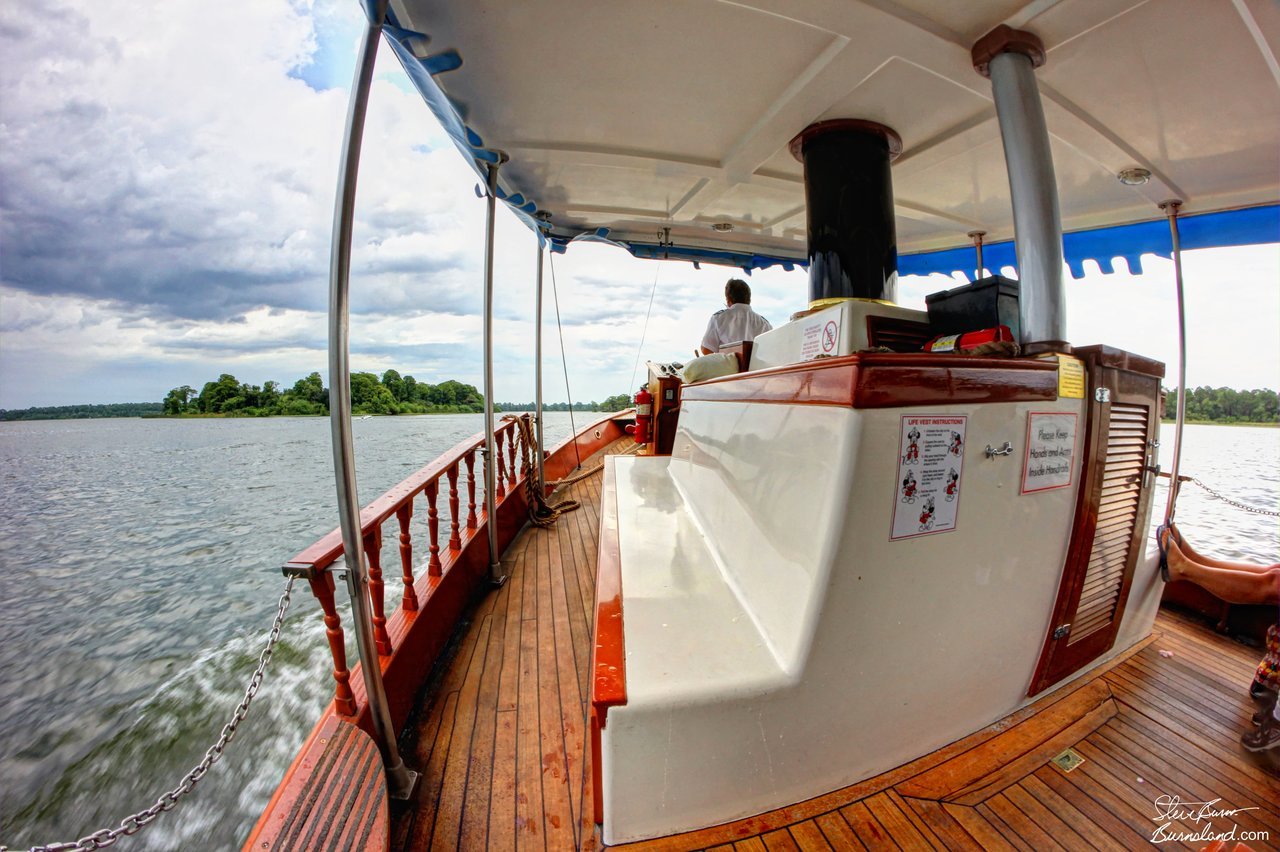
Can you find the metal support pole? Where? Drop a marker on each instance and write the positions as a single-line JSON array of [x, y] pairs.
[[977, 236], [537, 357], [1037, 221], [1171, 210], [400, 780], [490, 448]]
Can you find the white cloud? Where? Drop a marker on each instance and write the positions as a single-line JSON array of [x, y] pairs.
[[168, 175]]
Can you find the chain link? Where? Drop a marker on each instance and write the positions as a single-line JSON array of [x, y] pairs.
[[1254, 509], [136, 822]]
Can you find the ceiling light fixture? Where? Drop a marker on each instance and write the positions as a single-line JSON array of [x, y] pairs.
[[1134, 176]]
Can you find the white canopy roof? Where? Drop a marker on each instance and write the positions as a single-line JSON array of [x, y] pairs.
[[677, 113]]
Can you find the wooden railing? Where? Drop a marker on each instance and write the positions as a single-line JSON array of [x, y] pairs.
[[458, 469]]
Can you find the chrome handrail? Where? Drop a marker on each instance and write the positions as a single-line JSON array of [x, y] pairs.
[[400, 780]]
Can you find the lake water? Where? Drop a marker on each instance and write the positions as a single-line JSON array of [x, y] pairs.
[[139, 572]]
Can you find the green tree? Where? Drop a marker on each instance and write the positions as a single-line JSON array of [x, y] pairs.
[[616, 403], [369, 396], [215, 395], [312, 389], [179, 400]]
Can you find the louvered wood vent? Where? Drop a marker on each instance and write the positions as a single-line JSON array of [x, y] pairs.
[[1117, 516]]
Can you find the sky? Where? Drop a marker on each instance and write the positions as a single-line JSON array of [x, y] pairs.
[[167, 174]]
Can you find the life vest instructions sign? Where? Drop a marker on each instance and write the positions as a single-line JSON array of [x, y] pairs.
[[1051, 450], [821, 336], [930, 469]]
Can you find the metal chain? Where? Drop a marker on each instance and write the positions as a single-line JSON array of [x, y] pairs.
[[1254, 509], [135, 823]]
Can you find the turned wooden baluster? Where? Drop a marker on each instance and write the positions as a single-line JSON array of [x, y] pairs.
[[455, 540], [499, 480], [514, 434], [433, 527], [410, 601], [322, 587], [471, 489], [373, 550]]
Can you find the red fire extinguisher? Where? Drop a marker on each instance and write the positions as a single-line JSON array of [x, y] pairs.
[[644, 415]]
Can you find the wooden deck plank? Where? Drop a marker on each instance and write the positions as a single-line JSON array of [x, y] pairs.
[[458, 763], [1123, 783], [1253, 782], [477, 805], [869, 830], [949, 833], [1001, 827], [509, 683], [838, 833], [557, 816], [809, 837], [1049, 822], [502, 746], [528, 826], [978, 827], [572, 697], [433, 777], [1155, 769], [990, 767], [896, 823], [780, 841], [1050, 784]]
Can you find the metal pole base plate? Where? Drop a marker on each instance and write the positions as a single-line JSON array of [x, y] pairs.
[[404, 786]]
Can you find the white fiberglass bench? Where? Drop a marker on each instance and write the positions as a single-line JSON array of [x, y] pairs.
[[775, 641]]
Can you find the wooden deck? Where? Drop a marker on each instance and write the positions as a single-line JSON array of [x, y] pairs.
[[502, 747]]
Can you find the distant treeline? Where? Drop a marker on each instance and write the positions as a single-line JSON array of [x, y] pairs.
[[613, 403], [79, 412], [1226, 405], [392, 394]]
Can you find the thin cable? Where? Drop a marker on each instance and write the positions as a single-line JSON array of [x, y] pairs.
[[564, 359], [1171, 210], [645, 329]]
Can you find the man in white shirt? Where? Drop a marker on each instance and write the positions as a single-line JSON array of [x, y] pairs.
[[737, 322]]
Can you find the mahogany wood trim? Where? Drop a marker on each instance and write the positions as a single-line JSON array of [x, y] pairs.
[[1061, 657], [1108, 356], [337, 795], [608, 655], [417, 641], [887, 380]]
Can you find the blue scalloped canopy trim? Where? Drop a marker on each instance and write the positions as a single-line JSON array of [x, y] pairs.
[[1250, 226], [450, 114]]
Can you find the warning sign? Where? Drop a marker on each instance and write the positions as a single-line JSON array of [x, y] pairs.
[[821, 337], [1070, 377], [1051, 447], [930, 466]]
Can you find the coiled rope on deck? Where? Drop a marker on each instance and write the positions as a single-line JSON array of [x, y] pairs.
[[541, 513]]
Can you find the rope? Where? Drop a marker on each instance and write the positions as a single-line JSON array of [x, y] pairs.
[[645, 329], [563, 359], [541, 513], [591, 471]]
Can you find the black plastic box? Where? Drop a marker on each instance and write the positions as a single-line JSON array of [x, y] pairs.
[[985, 303]]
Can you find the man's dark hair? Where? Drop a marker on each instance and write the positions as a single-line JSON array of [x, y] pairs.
[[737, 292]]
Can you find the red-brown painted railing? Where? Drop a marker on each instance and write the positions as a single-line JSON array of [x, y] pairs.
[[314, 562]]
